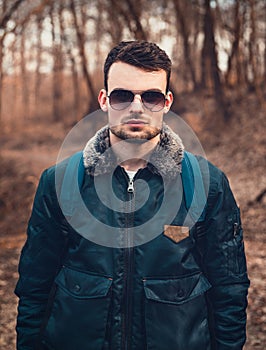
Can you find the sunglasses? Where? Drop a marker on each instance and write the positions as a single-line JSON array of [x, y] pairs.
[[121, 99]]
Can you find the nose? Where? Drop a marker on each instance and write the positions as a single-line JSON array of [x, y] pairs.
[[136, 104]]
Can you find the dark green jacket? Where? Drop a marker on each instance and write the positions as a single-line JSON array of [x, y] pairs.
[[175, 290]]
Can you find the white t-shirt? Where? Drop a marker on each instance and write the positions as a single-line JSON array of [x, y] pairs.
[[131, 174]]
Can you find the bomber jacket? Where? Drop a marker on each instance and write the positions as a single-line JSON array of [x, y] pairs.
[[154, 284]]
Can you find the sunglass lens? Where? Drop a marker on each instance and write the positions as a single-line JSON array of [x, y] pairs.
[[121, 99], [153, 100]]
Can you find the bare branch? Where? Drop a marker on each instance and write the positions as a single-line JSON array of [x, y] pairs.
[[7, 15]]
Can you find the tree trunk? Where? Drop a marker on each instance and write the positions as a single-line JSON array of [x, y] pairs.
[[253, 54], [180, 16], [115, 26], [1, 74], [131, 16], [134, 8], [74, 73], [38, 78], [57, 67], [264, 80], [24, 77], [93, 104], [7, 14], [2, 38], [252, 43], [210, 75], [235, 48]]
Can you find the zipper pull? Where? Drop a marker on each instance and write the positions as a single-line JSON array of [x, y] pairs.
[[130, 187], [236, 229]]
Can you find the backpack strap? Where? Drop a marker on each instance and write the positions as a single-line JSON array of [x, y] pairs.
[[194, 190], [72, 182]]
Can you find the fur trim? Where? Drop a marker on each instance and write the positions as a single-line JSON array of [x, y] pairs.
[[165, 159]]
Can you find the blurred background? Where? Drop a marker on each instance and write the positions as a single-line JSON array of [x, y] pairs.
[[51, 59]]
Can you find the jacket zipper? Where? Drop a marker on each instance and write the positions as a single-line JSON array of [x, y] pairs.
[[129, 262]]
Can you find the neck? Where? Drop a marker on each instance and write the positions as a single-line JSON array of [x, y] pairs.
[[133, 155]]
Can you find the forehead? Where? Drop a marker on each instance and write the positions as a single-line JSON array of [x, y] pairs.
[[126, 76]]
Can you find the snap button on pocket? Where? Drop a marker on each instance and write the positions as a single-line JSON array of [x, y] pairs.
[[180, 293], [77, 288]]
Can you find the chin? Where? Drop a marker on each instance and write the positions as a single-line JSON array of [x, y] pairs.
[[136, 135], [137, 141]]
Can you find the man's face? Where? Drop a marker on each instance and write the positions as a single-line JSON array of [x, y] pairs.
[[136, 122]]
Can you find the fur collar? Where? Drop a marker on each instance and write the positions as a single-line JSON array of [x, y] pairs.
[[165, 160]]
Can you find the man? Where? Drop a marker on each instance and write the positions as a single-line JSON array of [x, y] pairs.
[[141, 272]]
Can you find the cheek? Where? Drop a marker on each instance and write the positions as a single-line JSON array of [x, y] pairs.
[[114, 117], [157, 119]]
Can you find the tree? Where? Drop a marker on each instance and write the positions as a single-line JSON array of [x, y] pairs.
[[180, 13], [93, 104], [130, 12], [254, 53], [210, 75], [234, 55], [56, 12], [82, 32], [9, 11]]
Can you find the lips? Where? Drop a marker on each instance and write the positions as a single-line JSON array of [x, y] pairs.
[[135, 122]]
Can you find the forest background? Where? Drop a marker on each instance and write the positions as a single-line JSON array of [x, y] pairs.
[[51, 58]]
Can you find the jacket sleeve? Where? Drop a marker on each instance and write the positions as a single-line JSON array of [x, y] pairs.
[[39, 262], [225, 265]]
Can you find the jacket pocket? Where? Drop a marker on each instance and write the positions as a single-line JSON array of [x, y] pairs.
[[176, 313], [80, 310], [233, 249]]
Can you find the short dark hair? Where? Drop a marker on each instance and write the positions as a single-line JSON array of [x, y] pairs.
[[142, 54]]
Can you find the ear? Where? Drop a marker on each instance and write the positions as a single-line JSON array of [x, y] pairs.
[[102, 99], [168, 101]]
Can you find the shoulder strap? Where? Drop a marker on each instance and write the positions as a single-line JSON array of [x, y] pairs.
[[194, 191], [72, 182]]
